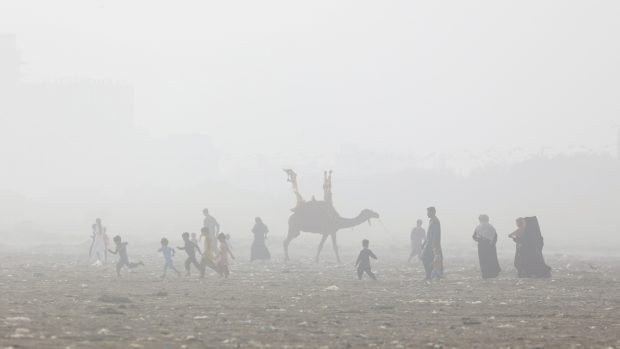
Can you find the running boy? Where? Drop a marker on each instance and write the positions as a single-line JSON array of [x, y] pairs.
[[363, 261], [190, 248], [123, 259], [168, 253]]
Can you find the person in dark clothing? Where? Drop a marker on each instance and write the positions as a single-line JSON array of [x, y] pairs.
[[432, 256], [123, 259], [530, 261], [190, 248], [363, 261], [259, 248], [417, 236], [486, 236]]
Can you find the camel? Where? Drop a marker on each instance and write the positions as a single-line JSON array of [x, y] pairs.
[[320, 217]]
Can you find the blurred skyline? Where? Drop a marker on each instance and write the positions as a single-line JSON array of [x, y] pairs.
[[144, 113], [443, 84]]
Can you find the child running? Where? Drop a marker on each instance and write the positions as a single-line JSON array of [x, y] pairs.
[[168, 254], [190, 248], [363, 261], [123, 259], [222, 256]]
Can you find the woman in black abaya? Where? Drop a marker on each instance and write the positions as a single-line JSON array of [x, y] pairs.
[[531, 259], [486, 236], [259, 248]]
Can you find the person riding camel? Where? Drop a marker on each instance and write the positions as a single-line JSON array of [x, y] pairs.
[[327, 187], [292, 178], [320, 216]]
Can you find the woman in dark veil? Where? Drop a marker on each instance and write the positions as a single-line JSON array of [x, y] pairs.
[[529, 259], [486, 236], [533, 261], [259, 248]]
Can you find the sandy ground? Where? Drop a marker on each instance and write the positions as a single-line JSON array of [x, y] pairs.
[[60, 301]]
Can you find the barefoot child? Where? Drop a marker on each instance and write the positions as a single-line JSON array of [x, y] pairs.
[[168, 253], [190, 248], [123, 259], [363, 261], [222, 256]]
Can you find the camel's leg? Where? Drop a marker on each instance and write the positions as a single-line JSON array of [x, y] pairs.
[[318, 252], [291, 235], [335, 245]]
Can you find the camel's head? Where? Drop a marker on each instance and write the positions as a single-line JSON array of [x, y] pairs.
[[369, 214]]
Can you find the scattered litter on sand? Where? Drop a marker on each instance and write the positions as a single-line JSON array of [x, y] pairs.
[[21, 332]]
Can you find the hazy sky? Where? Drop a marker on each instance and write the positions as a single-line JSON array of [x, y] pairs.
[[293, 80], [228, 93]]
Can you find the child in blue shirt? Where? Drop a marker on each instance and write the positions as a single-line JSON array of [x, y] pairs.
[[168, 253]]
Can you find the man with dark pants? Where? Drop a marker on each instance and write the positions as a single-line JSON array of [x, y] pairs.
[[432, 256]]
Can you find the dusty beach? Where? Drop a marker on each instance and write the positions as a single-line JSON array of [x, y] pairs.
[[59, 300]]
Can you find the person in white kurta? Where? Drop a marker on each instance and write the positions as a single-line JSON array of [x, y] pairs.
[[100, 243]]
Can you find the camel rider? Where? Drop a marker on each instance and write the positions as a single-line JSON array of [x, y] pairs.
[[292, 177], [327, 187]]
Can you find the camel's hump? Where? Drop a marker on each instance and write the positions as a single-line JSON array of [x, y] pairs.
[[315, 209]]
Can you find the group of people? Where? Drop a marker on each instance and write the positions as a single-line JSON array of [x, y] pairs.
[[214, 254], [529, 260], [425, 244], [99, 248]]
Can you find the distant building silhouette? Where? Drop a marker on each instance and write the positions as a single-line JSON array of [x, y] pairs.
[[71, 104], [83, 130], [59, 127]]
